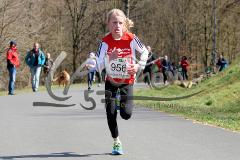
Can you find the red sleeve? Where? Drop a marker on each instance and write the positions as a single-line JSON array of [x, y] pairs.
[[9, 55]]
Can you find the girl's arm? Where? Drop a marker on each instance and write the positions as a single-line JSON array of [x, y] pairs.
[[142, 50], [137, 45], [102, 50]]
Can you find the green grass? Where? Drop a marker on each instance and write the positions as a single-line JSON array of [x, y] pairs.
[[218, 104]]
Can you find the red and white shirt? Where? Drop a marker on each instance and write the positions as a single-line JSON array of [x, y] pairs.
[[117, 69]]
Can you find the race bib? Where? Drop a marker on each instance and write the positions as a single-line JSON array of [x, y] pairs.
[[118, 68]]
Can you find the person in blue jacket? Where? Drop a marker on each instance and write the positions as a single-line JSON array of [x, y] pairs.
[[35, 60]]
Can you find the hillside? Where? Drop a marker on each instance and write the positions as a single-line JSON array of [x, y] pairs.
[[218, 104]]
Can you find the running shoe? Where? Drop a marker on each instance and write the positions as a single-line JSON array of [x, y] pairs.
[[117, 148]]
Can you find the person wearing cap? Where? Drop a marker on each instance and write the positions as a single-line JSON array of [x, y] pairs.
[[35, 60], [12, 64], [91, 66]]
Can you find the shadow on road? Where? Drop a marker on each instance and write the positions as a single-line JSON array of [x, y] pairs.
[[52, 155]]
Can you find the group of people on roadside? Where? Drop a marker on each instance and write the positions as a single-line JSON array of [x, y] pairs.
[[35, 59], [165, 66]]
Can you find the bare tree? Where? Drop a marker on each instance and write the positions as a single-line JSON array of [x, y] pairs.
[[81, 21]]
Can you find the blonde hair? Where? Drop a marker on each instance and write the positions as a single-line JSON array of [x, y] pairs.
[[117, 12]]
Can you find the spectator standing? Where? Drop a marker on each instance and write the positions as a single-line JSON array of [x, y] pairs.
[[184, 66], [149, 66], [12, 64], [222, 63], [165, 68], [91, 66], [35, 59]]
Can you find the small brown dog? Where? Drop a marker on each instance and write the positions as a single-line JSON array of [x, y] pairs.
[[62, 78]]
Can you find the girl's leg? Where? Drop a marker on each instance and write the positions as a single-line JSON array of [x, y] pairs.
[[111, 109], [126, 101]]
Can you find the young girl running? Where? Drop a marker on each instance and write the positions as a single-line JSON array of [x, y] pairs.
[[116, 54]]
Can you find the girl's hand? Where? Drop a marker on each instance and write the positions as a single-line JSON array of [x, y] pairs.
[[132, 68], [115, 53]]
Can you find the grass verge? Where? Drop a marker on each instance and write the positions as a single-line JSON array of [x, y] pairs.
[[218, 104]]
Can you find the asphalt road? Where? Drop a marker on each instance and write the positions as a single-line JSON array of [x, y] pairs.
[[31, 132]]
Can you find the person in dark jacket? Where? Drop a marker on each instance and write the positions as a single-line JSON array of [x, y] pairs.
[[12, 64], [222, 63], [166, 66], [35, 60], [147, 72]]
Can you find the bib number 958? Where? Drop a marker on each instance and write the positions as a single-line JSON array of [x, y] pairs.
[[118, 68]]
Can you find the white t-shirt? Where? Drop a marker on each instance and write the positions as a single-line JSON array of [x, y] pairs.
[[92, 62]]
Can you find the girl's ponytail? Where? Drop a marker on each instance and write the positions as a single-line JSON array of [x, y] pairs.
[[129, 24]]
